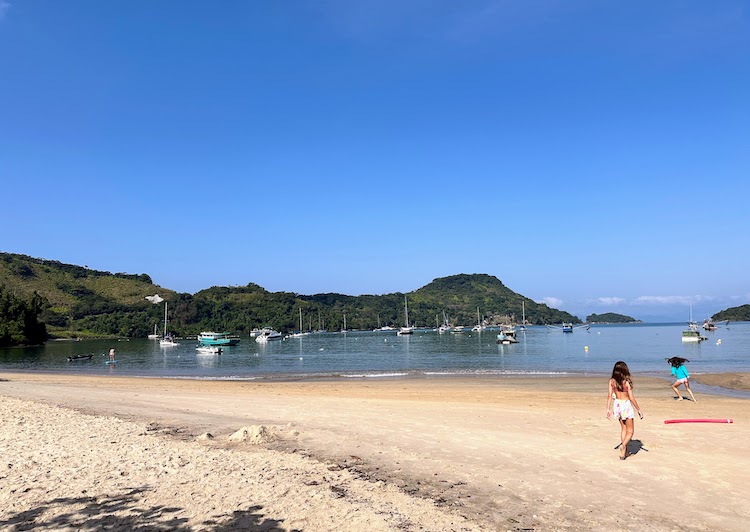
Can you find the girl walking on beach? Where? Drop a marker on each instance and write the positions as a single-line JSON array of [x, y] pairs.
[[620, 402], [680, 372]]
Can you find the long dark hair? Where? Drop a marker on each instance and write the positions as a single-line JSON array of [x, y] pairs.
[[621, 374], [677, 361]]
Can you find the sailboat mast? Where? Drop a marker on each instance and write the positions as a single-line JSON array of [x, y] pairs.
[[165, 319], [406, 311]]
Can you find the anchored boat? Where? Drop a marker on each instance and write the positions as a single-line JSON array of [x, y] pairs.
[[217, 339]]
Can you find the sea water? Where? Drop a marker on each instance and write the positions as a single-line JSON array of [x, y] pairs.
[[367, 354]]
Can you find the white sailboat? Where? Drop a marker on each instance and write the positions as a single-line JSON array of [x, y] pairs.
[[445, 327], [154, 336], [478, 327], [523, 316], [407, 329], [300, 333], [167, 340], [692, 334]]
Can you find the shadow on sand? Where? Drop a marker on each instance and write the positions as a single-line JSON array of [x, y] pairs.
[[634, 447], [98, 513]]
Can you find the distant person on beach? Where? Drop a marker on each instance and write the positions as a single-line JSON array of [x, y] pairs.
[[680, 372], [620, 402], [112, 355]]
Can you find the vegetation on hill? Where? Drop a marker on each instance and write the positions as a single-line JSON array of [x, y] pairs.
[[81, 301], [610, 317], [741, 313], [19, 319], [88, 302]]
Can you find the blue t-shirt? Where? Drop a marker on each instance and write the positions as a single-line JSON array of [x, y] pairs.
[[680, 372]]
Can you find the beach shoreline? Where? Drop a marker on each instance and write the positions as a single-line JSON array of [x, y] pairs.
[[476, 453]]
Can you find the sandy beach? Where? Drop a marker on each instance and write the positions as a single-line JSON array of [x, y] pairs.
[[93, 453]]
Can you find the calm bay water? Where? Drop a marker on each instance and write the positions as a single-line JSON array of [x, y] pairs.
[[540, 351]]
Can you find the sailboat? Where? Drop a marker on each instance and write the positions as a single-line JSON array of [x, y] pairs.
[[406, 329], [300, 333], [445, 327], [522, 327], [344, 329], [154, 336], [384, 327], [692, 334], [478, 327], [167, 340]]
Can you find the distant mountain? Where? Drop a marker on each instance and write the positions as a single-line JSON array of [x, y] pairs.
[[741, 313], [461, 295], [84, 302], [610, 317]]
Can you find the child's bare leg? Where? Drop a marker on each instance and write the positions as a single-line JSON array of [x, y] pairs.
[[687, 385], [676, 391], [628, 427]]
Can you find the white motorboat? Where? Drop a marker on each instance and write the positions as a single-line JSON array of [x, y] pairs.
[[692, 334], [266, 335], [507, 335], [209, 350]]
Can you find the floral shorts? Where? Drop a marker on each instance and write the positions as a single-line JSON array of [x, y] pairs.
[[623, 409]]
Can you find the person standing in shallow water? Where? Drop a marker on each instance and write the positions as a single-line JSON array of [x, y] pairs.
[[622, 404], [112, 355]]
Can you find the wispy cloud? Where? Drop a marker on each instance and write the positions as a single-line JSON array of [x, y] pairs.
[[606, 301], [551, 302], [671, 300], [4, 7]]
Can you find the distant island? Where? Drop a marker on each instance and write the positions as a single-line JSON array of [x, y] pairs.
[[610, 317]]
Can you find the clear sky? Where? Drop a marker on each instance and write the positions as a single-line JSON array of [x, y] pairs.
[[590, 154]]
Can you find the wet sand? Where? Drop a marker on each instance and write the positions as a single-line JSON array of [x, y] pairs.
[[410, 454]]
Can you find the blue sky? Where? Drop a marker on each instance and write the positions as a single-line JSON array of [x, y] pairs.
[[590, 154]]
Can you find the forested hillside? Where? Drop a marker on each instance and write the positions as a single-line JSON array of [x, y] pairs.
[[610, 317], [741, 313], [85, 302]]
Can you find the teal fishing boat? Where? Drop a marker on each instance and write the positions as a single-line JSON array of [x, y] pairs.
[[218, 339]]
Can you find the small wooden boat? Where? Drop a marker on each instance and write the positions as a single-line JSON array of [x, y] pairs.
[[73, 358]]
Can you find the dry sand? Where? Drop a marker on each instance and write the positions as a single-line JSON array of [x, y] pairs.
[[93, 453]]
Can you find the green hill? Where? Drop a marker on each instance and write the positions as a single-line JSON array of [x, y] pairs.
[[85, 302], [610, 317], [741, 313], [79, 300]]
